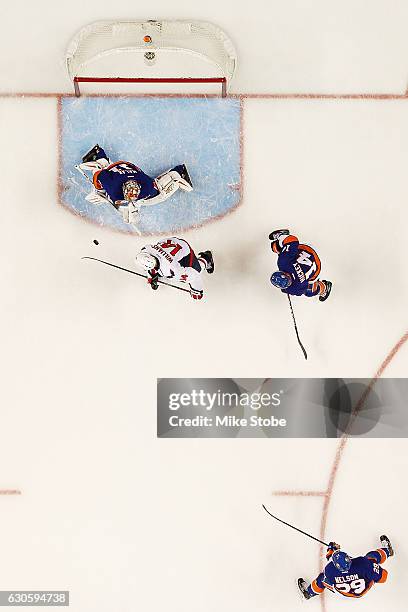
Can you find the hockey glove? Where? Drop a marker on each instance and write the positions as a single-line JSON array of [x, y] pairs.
[[196, 294], [153, 279], [331, 548], [275, 235]]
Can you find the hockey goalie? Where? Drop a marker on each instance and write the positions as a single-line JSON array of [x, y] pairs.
[[126, 186]]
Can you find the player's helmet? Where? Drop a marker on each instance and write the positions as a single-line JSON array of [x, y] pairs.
[[146, 261], [131, 190], [341, 561], [282, 280]]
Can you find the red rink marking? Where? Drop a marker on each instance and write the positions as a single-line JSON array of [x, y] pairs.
[[327, 96], [59, 149], [241, 149], [242, 96], [10, 492], [300, 493]]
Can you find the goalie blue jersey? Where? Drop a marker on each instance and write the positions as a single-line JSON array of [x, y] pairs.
[[301, 262], [363, 574], [112, 179]]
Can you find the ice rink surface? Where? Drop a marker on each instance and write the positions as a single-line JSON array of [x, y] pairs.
[[126, 521]]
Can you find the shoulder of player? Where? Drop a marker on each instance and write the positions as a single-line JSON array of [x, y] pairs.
[[361, 564], [363, 559], [290, 240], [125, 164], [289, 245], [369, 563]]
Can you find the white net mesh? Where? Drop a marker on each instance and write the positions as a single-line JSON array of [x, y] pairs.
[[177, 49]]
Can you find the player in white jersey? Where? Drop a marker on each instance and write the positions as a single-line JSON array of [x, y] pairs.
[[174, 258]]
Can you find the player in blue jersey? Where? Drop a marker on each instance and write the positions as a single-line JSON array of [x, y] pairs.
[[351, 577], [126, 186], [299, 267]]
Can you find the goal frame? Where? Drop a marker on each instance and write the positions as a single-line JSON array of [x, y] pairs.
[[199, 38]]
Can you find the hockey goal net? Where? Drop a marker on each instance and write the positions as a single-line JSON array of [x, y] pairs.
[[151, 52]]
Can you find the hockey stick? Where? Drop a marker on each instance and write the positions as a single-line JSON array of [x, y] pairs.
[[296, 329], [86, 177], [77, 167], [295, 528], [135, 273]]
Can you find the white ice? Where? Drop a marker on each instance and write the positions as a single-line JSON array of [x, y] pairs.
[[126, 521]]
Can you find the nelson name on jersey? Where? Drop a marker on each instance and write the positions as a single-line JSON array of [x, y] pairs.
[[349, 578]]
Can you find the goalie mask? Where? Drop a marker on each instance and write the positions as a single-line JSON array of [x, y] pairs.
[[146, 261], [131, 191], [282, 280]]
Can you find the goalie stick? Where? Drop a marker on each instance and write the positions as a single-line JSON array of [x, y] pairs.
[[135, 273], [295, 528]]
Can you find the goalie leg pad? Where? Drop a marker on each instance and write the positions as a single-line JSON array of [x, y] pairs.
[[124, 211], [166, 183], [95, 198], [134, 213], [172, 180], [130, 213], [182, 183], [94, 166], [183, 172]]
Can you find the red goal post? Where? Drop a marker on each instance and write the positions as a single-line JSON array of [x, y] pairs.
[[151, 52]]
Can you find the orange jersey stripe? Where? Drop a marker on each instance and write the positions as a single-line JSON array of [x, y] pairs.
[[308, 249], [290, 239], [121, 161], [95, 181], [328, 586], [384, 576], [316, 588], [383, 556]]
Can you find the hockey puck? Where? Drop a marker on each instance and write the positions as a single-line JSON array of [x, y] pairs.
[[96, 242]]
